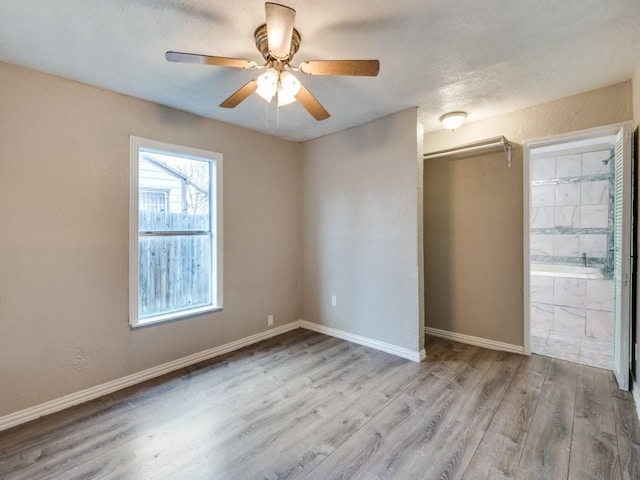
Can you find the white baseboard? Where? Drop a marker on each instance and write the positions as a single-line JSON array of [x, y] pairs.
[[477, 341], [47, 408], [53, 406], [367, 342]]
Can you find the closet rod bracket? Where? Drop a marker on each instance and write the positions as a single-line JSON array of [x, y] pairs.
[[507, 151]]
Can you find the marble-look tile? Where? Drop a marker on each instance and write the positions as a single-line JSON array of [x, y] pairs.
[[569, 340], [542, 195], [541, 245], [597, 353], [541, 281], [538, 344], [561, 352], [569, 292], [566, 245], [542, 217], [596, 360], [569, 320], [543, 168], [594, 193], [592, 345], [600, 325], [593, 216], [567, 216], [592, 352], [541, 317], [569, 166], [540, 333], [592, 162], [599, 295], [594, 245], [541, 289], [568, 194], [563, 346]]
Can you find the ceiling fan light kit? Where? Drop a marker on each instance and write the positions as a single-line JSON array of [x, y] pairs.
[[288, 88], [278, 41], [267, 84]]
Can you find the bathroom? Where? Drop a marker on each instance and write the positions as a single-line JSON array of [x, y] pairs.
[[571, 238]]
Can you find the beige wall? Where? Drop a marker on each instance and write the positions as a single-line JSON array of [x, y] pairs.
[[360, 229], [636, 120], [473, 220], [635, 82], [64, 164]]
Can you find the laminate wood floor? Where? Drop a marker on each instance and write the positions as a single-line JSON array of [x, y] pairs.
[[307, 406]]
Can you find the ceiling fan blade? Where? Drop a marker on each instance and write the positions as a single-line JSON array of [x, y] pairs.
[[311, 104], [359, 68], [181, 57], [280, 20], [239, 95]]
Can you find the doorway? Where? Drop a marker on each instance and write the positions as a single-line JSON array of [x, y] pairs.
[[577, 247]]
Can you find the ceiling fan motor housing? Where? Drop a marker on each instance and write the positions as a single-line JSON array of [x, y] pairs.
[[262, 43]]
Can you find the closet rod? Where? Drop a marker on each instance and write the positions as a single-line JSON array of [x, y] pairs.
[[489, 143]]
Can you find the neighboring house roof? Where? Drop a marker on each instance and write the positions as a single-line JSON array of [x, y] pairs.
[[172, 171], [168, 169]]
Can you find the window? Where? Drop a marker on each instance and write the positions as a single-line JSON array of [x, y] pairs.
[[175, 260], [152, 200]]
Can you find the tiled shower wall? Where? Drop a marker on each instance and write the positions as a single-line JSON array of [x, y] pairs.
[[582, 309], [572, 215]]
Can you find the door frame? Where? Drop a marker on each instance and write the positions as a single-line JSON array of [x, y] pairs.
[[601, 131]]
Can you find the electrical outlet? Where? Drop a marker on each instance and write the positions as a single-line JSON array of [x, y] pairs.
[[334, 300], [270, 321]]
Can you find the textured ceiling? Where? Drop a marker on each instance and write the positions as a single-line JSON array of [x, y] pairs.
[[486, 57]]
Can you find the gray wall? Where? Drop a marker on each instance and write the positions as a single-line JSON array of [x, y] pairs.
[[473, 219], [360, 230], [64, 173]]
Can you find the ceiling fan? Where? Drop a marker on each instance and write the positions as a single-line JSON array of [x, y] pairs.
[[278, 41]]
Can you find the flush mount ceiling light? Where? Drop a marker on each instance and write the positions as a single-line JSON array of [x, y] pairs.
[[278, 41], [453, 120]]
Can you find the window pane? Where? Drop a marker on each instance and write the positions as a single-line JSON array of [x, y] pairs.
[[174, 273], [174, 192], [157, 220], [153, 201]]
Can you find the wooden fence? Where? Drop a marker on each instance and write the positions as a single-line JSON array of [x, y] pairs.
[[174, 272]]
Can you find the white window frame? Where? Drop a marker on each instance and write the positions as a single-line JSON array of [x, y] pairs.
[[215, 159]]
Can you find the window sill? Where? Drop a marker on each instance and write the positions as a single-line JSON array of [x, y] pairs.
[[176, 316]]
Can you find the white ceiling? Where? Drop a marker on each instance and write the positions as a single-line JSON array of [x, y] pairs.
[[486, 57]]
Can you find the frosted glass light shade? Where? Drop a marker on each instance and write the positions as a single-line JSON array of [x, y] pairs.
[[453, 120], [288, 88], [268, 84]]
